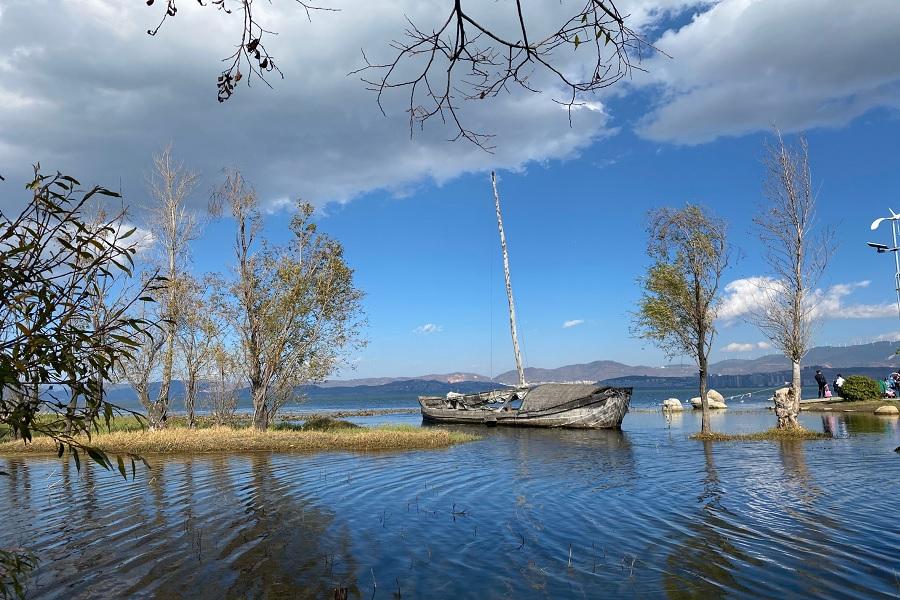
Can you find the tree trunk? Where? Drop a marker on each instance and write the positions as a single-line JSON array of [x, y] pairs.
[[795, 385], [260, 410], [190, 396], [156, 418], [704, 400], [787, 404], [162, 400]]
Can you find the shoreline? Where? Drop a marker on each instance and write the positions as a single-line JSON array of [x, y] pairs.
[[860, 406], [178, 440]]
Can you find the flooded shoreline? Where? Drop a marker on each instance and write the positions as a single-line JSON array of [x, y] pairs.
[[544, 513]]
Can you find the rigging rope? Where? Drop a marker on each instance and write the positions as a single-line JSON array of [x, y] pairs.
[[750, 394]]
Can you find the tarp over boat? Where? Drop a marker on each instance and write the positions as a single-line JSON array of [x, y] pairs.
[[550, 395]]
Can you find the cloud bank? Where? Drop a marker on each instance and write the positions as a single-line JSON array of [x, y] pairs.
[[740, 65], [746, 347], [744, 297]]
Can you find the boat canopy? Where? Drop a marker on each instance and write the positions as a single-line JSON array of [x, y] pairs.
[[550, 395]]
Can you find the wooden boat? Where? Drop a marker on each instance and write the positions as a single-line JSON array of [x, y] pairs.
[[583, 406], [576, 405]]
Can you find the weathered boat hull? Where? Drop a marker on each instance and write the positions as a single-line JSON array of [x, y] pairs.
[[603, 409]]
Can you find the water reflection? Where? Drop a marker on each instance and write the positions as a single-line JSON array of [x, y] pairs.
[[646, 512], [702, 565]]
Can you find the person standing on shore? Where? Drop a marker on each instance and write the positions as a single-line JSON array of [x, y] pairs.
[[820, 379], [839, 385]]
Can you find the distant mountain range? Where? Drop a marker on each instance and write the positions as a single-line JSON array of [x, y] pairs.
[[876, 360], [374, 381], [877, 354]]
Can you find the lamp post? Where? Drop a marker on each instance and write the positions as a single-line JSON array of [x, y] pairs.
[[881, 248]]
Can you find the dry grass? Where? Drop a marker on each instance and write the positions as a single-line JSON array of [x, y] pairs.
[[226, 439], [762, 436]]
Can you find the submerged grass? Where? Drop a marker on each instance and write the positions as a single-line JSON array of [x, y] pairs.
[[176, 440], [762, 436]]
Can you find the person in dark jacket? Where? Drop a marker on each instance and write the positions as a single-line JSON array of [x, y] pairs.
[[820, 379]]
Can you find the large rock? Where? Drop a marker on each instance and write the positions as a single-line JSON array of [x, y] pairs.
[[888, 409], [713, 398], [672, 404]]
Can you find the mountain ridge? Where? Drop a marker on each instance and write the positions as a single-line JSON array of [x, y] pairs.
[[875, 354]]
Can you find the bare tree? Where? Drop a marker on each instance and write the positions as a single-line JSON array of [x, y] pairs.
[[677, 311], [464, 56], [198, 335], [174, 226], [225, 377], [295, 308], [139, 369], [797, 254]]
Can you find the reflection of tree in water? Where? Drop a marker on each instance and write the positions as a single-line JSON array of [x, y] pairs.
[[702, 566], [812, 526], [256, 540]]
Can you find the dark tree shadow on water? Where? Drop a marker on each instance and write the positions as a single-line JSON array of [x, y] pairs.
[[702, 566], [253, 539]]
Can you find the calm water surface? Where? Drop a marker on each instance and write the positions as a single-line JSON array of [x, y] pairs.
[[644, 512]]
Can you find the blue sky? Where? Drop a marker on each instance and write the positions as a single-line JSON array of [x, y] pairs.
[[416, 215], [575, 233]]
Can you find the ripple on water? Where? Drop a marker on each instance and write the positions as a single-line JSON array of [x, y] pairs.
[[642, 512]]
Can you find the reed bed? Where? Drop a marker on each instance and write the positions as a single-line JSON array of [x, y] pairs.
[[177, 440]]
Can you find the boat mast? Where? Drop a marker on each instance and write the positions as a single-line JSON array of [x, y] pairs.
[[509, 294]]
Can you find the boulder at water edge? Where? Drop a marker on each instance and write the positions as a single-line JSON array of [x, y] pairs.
[[672, 404], [713, 398], [887, 410]]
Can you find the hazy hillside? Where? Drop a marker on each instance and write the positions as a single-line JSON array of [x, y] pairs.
[[878, 354], [593, 371], [876, 360], [443, 377]]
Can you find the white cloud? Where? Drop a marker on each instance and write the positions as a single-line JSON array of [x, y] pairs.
[[741, 65], [746, 347], [141, 240], [318, 134], [572, 323], [428, 328], [744, 297]]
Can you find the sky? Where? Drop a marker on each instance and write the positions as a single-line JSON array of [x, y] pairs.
[[84, 90]]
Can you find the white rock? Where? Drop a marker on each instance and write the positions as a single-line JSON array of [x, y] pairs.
[[888, 409], [672, 404], [713, 399]]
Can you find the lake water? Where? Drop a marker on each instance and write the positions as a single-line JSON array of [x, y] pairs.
[[645, 512]]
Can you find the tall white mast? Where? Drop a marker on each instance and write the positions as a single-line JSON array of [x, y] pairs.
[[509, 294]]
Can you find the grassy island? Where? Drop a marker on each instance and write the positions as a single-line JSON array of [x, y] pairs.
[[773, 434], [334, 435]]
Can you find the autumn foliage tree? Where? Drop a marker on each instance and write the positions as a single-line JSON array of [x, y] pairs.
[[677, 310], [295, 308]]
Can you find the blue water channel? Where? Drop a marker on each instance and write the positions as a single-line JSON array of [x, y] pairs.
[[643, 512]]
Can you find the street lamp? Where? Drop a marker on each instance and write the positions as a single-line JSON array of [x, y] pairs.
[[881, 248]]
